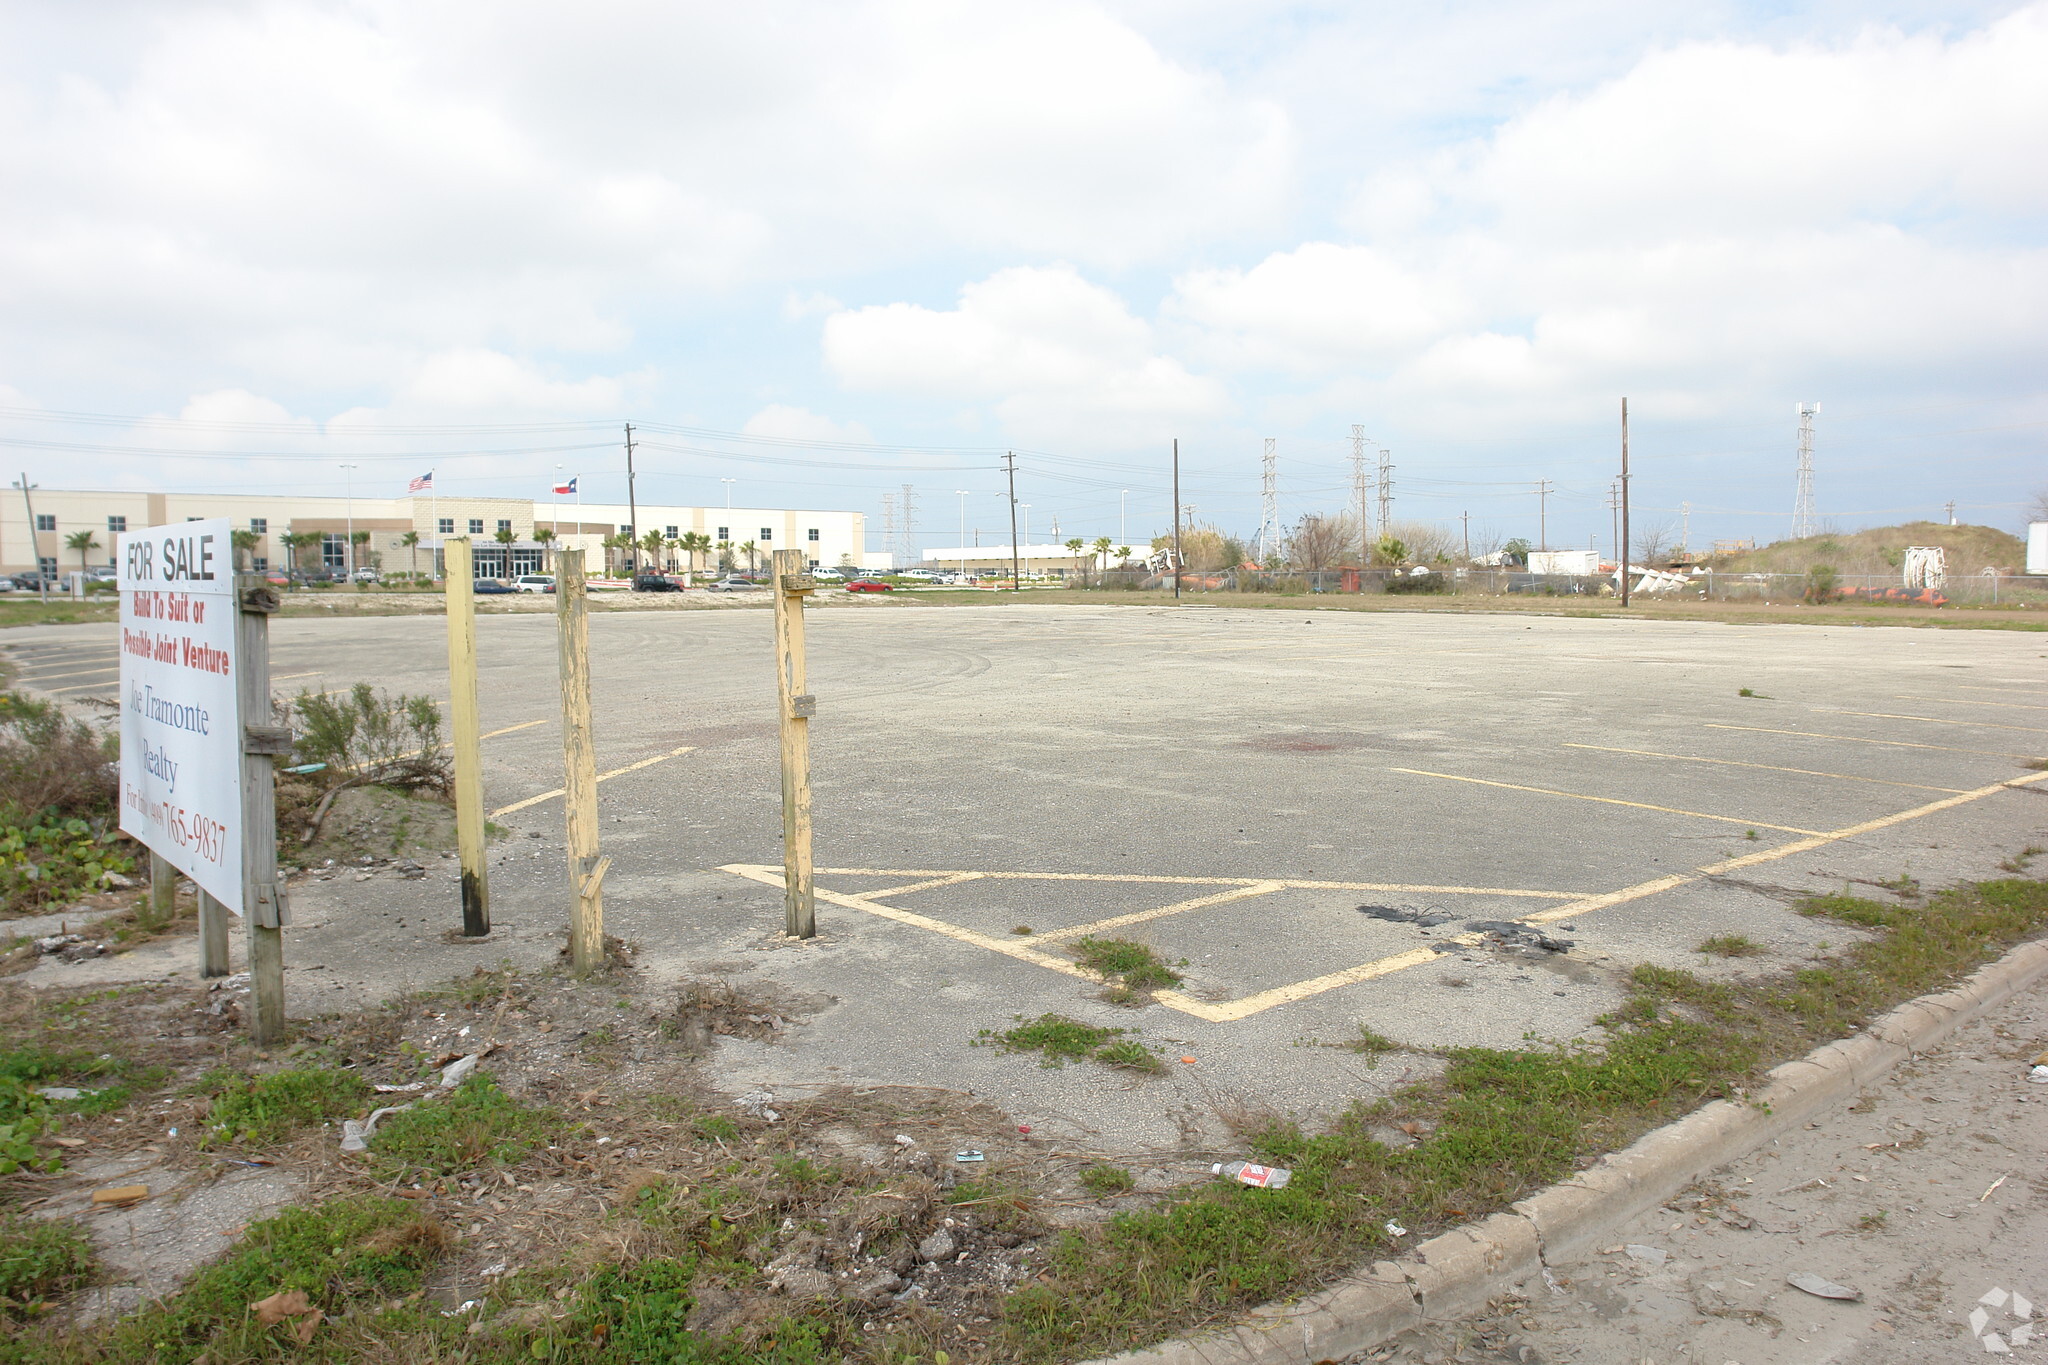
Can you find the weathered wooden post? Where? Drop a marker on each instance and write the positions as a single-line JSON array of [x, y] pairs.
[[213, 934], [579, 766], [163, 888], [797, 706], [262, 739], [462, 719]]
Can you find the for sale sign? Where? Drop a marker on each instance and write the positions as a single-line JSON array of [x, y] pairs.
[[181, 730]]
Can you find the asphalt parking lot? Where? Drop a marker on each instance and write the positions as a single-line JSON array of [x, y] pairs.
[[1228, 786]]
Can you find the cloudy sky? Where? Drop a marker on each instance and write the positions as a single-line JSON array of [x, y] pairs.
[[827, 250]]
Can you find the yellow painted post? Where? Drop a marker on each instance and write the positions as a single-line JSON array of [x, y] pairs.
[[797, 706], [462, 719], [579, 765]]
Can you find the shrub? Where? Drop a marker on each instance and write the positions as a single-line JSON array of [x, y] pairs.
[[364, 735], [55, 860], [1821, 584], [52, 764]]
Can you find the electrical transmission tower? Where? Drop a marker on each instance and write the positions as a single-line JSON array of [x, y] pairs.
[[1361, 493], [1803, 524], [1386, 491], [909, 526], [1269, 501]]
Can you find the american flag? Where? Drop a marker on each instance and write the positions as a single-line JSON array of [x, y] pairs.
[[422, 483]]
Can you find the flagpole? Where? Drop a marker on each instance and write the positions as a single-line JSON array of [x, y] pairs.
[[434, 511]]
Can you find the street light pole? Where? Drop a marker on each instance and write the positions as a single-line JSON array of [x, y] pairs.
[[728, 493], [963, 530], [349, 488], [1027, 523]]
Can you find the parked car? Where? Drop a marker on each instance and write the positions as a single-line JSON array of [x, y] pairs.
[[534, 582], [655, 582], [32, 582], [870, 585], [828, 572], [920, 575], [733, 585], [491, 587], [363, 576]]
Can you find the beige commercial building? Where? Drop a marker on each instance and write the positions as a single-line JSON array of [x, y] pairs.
[[75, 529]]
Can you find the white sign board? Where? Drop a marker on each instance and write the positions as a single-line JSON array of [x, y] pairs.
[[181, 730]]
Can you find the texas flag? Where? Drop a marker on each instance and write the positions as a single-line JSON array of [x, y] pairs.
[[569, 487]]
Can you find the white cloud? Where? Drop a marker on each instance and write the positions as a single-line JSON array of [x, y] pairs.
[[781, 422], [1056, 357], [1318, 304]]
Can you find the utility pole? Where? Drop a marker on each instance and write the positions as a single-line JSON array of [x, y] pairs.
[[1803, 524], [909, 534], [632, 511], [963, 530], [1386, 492], [1542, 514], [1361, 493], [348, 483], [1176, 518], [1016, 577], [1951, 514], [1685, 529], [1614, 517], [35, 544], [1466, 517], [1268, 539], [1624, 502]]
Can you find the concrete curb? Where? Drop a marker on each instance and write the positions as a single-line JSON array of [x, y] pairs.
[[1460, 1272]]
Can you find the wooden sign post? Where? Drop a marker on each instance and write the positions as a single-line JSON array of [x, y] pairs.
[[579, 765], [213, 935], [792, 582], [462, 719], [262, 740]]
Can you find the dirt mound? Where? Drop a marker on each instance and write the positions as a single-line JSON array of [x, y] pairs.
[[1882, 549]]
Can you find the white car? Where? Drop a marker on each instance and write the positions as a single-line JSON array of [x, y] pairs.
[[921, 575], [834, 574], [534, 582]]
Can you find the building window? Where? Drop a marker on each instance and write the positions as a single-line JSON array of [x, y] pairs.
[[724, 533], [260, 525], [334, 551], [476, 526], [47, 563], [767, 534], [116, 525], [625, 530], [447, 526], [45, 522], [262, 564], [504, 525], [812, 535], [673, 532], [195, 518]]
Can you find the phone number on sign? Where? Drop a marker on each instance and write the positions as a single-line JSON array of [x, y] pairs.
[[203, 833]]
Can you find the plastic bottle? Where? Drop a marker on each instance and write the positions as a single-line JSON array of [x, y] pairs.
[[1251, 1173]]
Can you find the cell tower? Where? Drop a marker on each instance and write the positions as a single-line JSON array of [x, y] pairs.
[[1268, 540], [1386, 490], [1803, 524], [1361, 493], [909, 526]]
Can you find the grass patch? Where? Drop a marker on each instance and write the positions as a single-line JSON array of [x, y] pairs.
[[476, 1124], [259, 1110], [1121, 962], [1371, 1044], [1495, 1125], [639, 1313], [1106, 1181], [1730, 945], [40, 1259], [1062, 1040]]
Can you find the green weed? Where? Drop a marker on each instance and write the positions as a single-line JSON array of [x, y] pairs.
[[1105, 1181], [473, 1125], [1374, 1045], [259, 1110], [1730, 945], [1122, 962], [40, 1258], [1062, 1040]]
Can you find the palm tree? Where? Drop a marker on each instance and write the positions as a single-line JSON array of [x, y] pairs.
[[411, 541], [724, 548], [749, 549], [616, 540], [693, 543], [1077, 547], [546, 538], [81, 541], [245, 548], [505, 535], [652, 543]]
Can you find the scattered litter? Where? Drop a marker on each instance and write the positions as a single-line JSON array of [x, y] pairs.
[[969, 1154], [457, 1071], [408, 1088], [1427, 918], [305, 768], [257, 1162], [492, 1272], [68, 1142], [1024, 1128], [1648, 1255], [356, 1134], [121, 1195], [2039, 1074], [63, 1092], [905, 1140], [1822, 1289], [1815, 1183], [1519, 935], [1188, 1060], [70, 947], [1394, 1229], [1551, 1281], [1994, 1188], [467, 1305], [1251, 1173], [755, 1103]]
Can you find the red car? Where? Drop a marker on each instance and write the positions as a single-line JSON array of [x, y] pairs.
[[870, 585]]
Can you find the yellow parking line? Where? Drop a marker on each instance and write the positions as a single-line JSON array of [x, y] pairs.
[[82, 687], [53, 677], [1289, 882], [523, 725], [1605, 800], [1785, 850], [287, 677], [1965, 701], [1939, 720], [602, 777], [1179, 907], [1859, 739], [927, 885], [1767, 767]]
